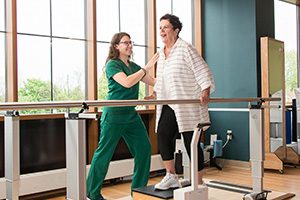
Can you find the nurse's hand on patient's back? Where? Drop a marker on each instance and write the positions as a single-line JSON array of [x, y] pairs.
[[151, 62]]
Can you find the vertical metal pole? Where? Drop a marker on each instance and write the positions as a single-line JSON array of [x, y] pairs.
[[12, 156], [194, 158], [256, 148], [76, 158], [185, 162]]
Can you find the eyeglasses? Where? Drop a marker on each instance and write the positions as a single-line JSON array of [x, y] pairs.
[[127, 43]]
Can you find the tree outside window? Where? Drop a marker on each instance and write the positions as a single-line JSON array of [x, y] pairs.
[[286, 31], [51, 50]]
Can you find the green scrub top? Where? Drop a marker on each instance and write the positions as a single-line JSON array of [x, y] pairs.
[[118, 92], [115, 90]]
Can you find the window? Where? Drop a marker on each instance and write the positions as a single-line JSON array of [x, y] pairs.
[[183, 10], [68, 70], [51, 50], [68, 54], [129, 16], [34, 80], [107, 28], [105, 31], [2, 67], [34, 46], [286, 31], [2, 16], [2, 52], [102, 52], [139, 57], [68, 18], [132, 15], [33, 17], [162, 7]]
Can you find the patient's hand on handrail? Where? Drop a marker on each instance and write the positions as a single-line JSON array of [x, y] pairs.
[[151, 97]]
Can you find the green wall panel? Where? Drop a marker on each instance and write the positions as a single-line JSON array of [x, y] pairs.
[[231, 32], [230, 46], [238, 148]]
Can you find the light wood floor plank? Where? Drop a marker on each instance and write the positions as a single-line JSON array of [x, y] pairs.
[[289, 182]]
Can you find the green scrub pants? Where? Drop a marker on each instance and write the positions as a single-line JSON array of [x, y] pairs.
[[131, 128]]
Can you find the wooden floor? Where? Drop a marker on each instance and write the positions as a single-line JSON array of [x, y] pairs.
[[288, 182]]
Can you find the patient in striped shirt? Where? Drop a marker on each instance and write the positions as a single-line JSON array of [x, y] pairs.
[[181, 74]]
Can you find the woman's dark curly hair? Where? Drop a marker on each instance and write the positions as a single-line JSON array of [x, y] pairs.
[[174, 20]]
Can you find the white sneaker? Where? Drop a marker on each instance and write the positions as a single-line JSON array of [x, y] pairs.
[[169, 181]]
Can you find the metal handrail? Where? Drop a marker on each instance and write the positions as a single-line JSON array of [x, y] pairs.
[[111, 103]]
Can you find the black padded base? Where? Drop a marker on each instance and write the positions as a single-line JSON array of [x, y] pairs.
[[168, 194], [149, 190]]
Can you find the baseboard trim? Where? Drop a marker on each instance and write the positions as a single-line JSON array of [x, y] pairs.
[[234, 163], [56, 179]]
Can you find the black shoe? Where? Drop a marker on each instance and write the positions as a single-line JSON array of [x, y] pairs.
[[100, 198]]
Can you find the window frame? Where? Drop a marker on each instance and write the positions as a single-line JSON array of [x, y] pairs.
[[91, 47]]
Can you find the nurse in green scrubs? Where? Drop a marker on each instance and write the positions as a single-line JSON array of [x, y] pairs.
[[123, 78]]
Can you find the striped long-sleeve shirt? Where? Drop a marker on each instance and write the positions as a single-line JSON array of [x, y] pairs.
[[183, 75]]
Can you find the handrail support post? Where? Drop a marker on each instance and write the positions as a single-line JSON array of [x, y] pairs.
[[76, 154], [12, 154], [257, 156]]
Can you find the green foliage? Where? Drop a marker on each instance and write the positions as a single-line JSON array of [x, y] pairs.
[[2, 96], [290, 73], [102, 87], [62, 94], [142, 94], [35, 90], [2, 88], [142, 91], [67, 94]]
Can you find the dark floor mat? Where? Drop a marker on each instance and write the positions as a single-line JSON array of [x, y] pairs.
[[149, 190]]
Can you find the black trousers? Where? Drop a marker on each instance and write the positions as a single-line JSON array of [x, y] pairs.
[[168, 132]]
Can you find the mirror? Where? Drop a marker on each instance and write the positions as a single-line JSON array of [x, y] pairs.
[[277, 151], [273, 85], [276, 89]]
